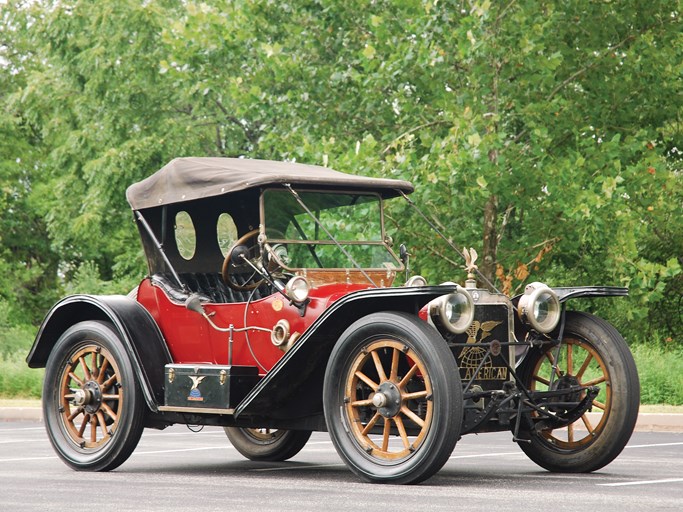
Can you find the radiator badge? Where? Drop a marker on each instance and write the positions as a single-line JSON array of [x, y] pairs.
[[474, 357], [195, 394]]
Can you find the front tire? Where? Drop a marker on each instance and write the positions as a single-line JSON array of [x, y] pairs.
[[592, 353], [270, 445], [92, 404], [392, 398]]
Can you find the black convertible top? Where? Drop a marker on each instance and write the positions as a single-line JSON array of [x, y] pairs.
[[186, 179]]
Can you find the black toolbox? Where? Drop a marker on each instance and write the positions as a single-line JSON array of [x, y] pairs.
[[208, 386]]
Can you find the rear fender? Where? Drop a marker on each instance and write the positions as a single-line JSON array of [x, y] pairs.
[[136, 328]]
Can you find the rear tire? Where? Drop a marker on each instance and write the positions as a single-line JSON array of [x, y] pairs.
[[92, 404], [266, 444], [392, 398], [592, 353]]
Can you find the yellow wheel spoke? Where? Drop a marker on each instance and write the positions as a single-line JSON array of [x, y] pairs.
[[385, 434], [394, 366], [595, 381], [378, 366], [81, 430], [584, 366], [102, 423], [86, 370], [371, 424], [587, 423], [542, 380], [93, 429], [108, 383], [110, 412], [75, 414], [599, 405], [412, 416], [570, 433], [408, 376], [402, 432], [570, 358], [76, 378], [416, 395], [103, 369], [367, 380], [361, 403]]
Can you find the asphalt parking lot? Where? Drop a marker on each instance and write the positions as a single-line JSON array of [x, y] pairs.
[[178, 469]]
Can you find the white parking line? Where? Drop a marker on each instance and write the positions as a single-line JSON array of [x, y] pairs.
[[652, 445], [287, 468], [20, 429], [484, 455], [202, 448], [22, 459], [643, 482]]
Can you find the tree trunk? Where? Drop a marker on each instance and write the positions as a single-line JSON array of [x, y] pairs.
[[488, 267]]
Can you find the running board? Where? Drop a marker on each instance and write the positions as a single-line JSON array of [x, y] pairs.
[[196, 410]]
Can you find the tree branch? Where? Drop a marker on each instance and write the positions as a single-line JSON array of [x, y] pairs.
[[412, 130], [588, 66]]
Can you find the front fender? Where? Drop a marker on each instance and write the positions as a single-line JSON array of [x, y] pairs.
[[564, 293], [136, 328], [293, 387], [571, 292]]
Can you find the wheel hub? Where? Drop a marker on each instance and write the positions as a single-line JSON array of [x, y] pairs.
[[89, 397], [566, 382], [387, 399]]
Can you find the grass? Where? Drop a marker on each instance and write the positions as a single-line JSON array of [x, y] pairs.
[[661, 374], [17, 380], [660, 369]]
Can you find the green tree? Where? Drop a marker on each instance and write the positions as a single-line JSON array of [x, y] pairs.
[[547, 135]]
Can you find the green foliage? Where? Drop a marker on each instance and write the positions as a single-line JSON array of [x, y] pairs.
[[16, 379], [545, 134], [14, 339], [661, 373]]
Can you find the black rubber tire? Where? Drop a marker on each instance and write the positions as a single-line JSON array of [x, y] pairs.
[[412, 342], [121, 410], [605, 440], [271, 446]]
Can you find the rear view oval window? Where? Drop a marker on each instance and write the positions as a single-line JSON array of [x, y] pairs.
[[226, 231], [185, 236]]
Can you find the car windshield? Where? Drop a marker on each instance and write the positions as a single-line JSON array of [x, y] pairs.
[[354, 220]]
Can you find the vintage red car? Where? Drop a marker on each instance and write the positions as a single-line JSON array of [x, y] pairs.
[[271, 308]]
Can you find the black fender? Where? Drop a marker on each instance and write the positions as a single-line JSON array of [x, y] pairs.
[[564, 293], [572, 292], [136, 328], [293, 387]]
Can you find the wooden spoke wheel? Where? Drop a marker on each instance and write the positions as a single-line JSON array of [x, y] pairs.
[[92, 404], [388, 389], [578, 364], [392, 398], [267, 444], [592, 353], [90, 391]]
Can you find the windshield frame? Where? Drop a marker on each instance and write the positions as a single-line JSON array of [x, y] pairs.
[[322, 239]]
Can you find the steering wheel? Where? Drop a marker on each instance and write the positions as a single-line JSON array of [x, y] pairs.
[[245, 248]]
